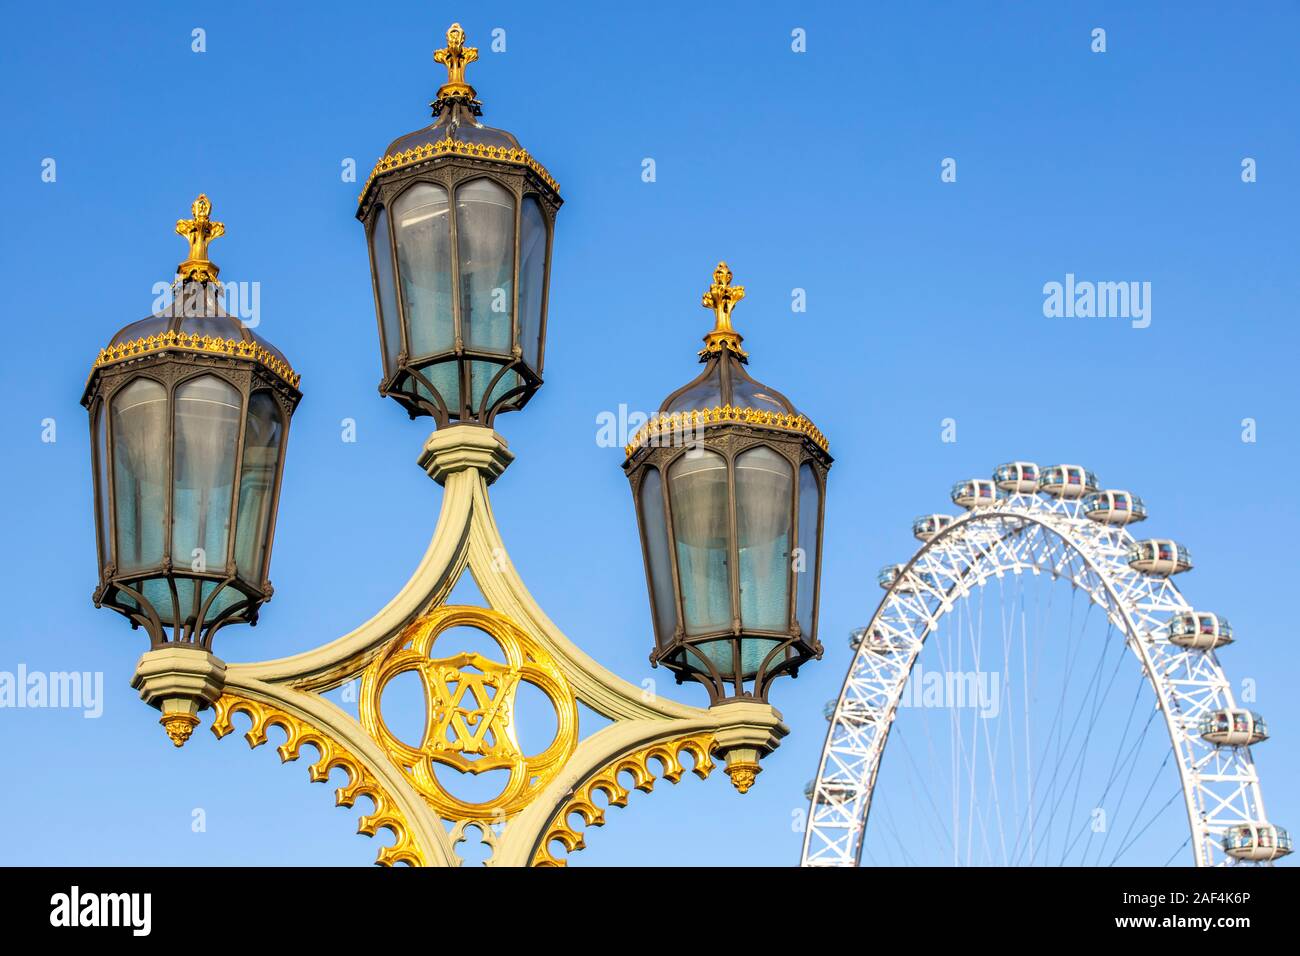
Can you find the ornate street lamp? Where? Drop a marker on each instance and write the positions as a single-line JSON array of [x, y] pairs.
[[459, 219], [728, 479], [189, 413]]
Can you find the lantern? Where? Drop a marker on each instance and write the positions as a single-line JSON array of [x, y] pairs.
[[728, 480], [459, 221], [189, 415]]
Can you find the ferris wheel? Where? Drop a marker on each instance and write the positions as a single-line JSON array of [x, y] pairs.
[[1023, 766]]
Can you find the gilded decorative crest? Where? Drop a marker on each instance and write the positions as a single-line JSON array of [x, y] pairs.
[[722, 297], [455, 56], [470, 721], [199, 231]]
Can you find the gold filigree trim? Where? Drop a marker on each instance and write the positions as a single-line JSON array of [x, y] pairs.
[[681, 422], [471, 715], [722, 342], [361, 781], [206, 344], [454, 147], [607, 781]]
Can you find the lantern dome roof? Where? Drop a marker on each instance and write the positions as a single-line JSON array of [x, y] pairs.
[[459, 121], [195, 318], [725, 392], [456, 128]]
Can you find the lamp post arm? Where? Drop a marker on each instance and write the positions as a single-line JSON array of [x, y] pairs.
[[332, 664], [628, 748], [598, 688], [465, 721], [341, 743]]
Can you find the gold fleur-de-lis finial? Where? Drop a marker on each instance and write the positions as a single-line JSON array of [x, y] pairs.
[[199, 231], [455, 56], [722, 298]]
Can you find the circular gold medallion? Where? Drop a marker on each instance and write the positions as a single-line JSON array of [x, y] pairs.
[[470, 721]]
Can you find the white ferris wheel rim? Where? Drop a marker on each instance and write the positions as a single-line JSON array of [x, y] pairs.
[[1032, 533]]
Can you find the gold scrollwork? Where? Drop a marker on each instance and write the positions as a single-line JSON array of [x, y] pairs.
[[188, 342], [454, 147], [470, 720], [332, 755], [726, 414], [637, 765]]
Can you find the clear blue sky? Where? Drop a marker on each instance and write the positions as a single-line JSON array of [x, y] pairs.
[[818, 171]]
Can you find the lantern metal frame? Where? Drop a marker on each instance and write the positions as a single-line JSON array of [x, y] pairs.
[[451, 164], [172, 356], [450, 173], [794, 648], [122, 590]]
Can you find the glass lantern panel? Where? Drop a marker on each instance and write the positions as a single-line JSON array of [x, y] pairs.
[[207, 436], [154, 325], [764, 485], [445, 377], [381, 260], [190, 596], [753, 651], [706, 393], [508, 381], [421, 216], [747, 393], [808, 567], [263, 439], [101, 482], [654, 528], [138, 418], [532, 279], [481, 375], [485, 236], [697, 483]]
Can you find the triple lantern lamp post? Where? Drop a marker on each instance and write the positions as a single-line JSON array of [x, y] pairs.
[[190, 412]]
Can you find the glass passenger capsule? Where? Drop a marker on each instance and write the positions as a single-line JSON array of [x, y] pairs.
[[1257, 842], [836, 791], [1199, 630], [888, 574], [1017, 477], [853, 711], [1114, 507], [1067, 481], [1159, 556], [1233, 728], [928, 526], [910, 584], [878, 642], [975, 493]]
